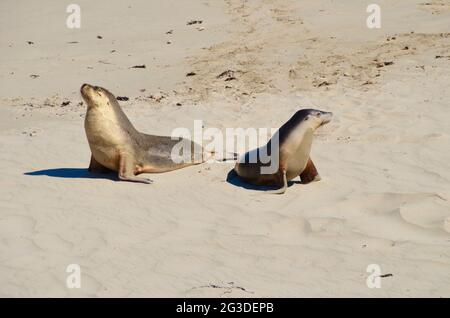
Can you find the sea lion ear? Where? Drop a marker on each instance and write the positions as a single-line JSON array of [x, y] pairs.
[[306, 117]]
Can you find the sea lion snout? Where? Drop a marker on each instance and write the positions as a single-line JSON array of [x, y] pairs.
[[314, 118], [85, 90], [95, 96], [326, 117], [85, 87], [319, 117]]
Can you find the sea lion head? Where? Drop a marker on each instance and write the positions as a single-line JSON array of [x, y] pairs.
[[96, 96], [313, 118]]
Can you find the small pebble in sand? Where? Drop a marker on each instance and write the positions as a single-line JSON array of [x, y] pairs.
[[382, 64], [31, 134], [324, 83], [34, 76], [156, 97], [228, 75], [194, 22]]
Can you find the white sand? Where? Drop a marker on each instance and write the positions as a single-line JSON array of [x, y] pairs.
[[384, 159]]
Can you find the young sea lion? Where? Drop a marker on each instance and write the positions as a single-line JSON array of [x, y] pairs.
[[291, 147]]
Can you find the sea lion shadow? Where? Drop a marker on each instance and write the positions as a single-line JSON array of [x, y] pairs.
[[73, 173], [233, 178]]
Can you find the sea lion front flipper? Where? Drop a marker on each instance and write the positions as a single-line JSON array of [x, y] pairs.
[[283, 188], [95, 166], [126, 172], [310, 173]]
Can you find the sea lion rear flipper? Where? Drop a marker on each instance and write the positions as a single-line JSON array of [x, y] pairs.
[[126, 171], [310, 173], [95, 166]]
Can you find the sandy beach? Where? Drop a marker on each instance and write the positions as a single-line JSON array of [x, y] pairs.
[[384, 197]]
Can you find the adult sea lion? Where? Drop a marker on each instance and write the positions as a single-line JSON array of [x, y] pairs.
[[116, 145]]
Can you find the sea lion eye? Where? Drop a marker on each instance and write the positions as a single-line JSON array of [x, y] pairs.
[[307, 117], [319, 114]]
